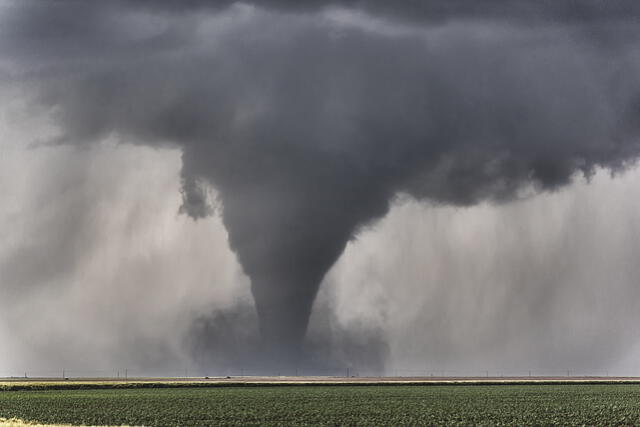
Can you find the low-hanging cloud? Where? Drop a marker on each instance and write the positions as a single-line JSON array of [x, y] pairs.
[[309, 121]]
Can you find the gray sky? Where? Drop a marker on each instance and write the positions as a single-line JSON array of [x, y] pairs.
[[443, 170]]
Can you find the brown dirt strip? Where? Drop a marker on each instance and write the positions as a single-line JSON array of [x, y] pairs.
[[9, 384]]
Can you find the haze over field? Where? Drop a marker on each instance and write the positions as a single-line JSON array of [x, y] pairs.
[[180, 178]]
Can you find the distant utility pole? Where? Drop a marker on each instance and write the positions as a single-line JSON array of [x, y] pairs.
[[63, 376]]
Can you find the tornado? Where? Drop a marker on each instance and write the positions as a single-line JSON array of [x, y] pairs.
[[288, 242], [305, 123]]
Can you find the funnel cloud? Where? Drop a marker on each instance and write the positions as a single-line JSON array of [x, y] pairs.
[[302, 124]]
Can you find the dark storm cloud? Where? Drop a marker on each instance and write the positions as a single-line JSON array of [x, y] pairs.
[[309, 124], [65, 27], [431, 10]]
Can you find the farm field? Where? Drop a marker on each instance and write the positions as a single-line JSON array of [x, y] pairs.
[[569, 404]]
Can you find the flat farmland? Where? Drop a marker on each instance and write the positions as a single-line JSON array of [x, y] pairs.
[[509, 404]]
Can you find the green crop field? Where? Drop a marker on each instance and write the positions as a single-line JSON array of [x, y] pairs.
[[331, 405]]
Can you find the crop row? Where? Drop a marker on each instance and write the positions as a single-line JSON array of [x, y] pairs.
[[331, 405]]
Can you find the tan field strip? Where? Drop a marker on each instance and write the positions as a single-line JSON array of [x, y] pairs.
[[14, 422], [55, 383]]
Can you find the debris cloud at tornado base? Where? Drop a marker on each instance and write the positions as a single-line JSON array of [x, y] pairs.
[[310, 121]]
